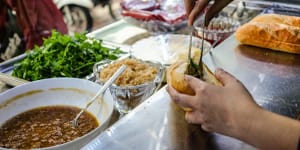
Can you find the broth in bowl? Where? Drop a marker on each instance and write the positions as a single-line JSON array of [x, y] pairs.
[[39, 114], [44, 127]]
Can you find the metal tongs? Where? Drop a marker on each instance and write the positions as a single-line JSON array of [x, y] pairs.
[[196, 69]]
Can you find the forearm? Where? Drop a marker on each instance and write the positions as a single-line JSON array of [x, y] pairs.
[[268, 130]]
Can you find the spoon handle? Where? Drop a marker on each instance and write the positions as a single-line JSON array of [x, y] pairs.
[[107, 84], [100, 92]]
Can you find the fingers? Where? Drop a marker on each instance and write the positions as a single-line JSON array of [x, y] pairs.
[[225, 78], [197, 9], [180, 99], [198, 118], [189, 5], [191, 118], [206, 128], [215, 9], [193, 82]]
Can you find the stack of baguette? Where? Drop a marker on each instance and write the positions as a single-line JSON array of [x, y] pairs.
[[273, 31]]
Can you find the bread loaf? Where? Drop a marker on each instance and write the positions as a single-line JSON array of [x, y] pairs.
[[275, 18], [175, 77], [276, 32]]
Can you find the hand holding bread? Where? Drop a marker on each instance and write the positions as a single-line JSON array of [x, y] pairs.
[[176, 76], [177, 71]]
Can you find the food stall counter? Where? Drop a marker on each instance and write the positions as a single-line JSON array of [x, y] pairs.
[[159, 124], [270, 76]]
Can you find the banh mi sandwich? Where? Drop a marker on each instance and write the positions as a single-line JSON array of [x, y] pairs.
[[176, 72]]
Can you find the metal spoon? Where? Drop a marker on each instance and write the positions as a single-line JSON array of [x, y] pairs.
[[99, 93]]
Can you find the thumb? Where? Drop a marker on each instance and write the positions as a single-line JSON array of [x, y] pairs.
[[225, 78]]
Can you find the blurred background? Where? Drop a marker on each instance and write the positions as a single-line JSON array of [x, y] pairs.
[[24, 24], [102, 17]]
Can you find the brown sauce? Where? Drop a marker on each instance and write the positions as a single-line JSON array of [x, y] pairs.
[[45, 127]]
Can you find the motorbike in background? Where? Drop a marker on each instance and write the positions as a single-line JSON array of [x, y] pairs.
[[77, 14]]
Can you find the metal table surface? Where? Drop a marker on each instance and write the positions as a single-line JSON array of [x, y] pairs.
[[158, 124], [271, 77]]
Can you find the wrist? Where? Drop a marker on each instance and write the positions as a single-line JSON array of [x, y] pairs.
[[248, 121]]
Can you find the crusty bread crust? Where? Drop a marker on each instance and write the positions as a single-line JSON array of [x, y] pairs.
[[175, 77], [273, 32], [209, 77], [276, 18]]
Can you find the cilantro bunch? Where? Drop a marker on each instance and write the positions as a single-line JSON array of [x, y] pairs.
[[63, 56]]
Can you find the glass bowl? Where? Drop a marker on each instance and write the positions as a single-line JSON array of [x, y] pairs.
[[168, 48], [219, 28], [128, 97]]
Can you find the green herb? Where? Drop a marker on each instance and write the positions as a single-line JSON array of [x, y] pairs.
[[64, 56], [193, 69]]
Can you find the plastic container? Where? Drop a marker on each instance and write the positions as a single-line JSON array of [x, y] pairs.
[[156, 17]]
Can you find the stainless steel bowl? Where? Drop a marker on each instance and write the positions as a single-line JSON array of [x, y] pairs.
[[127, 98]]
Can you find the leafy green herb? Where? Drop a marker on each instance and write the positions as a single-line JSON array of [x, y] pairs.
[[193, 69], [64, 56]]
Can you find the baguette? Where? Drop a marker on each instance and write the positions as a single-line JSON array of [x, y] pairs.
[[275, 18], [276, 32], [175, 77]]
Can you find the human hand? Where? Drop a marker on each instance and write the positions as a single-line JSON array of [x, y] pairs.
[[195, 7], [219, 109]]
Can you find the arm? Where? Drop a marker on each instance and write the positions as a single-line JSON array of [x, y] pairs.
[[195, 7], [231, 110], [272, 131]]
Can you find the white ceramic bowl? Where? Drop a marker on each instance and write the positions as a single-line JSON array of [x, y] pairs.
[[58, 91]]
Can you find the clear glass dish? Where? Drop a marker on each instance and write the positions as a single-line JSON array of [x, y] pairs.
[[219, 28], [127, 98]]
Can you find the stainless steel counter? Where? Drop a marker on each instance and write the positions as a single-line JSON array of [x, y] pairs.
[[158, 124], [270, 76]]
